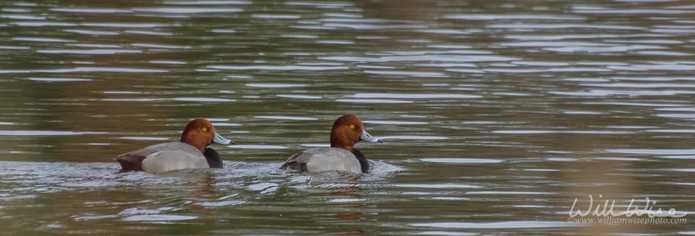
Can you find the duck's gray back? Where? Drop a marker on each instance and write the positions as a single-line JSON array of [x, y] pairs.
[[170, 146], [328, 159], [165, 161], [171, 156]]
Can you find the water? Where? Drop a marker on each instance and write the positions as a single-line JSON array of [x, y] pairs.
[[496, 114]]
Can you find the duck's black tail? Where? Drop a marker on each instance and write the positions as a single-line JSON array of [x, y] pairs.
[[130, 163]]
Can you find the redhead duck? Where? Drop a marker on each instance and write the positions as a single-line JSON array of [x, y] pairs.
[[341, 156], [190, 152]]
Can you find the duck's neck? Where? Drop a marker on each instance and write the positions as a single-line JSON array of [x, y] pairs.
[[213, 158], [364, 164]]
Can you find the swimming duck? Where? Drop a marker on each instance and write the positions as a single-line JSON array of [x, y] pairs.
[[188, 153], [341, 156]]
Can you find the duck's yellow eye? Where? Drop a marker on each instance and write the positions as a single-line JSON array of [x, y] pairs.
[[204, 129], [351, 126]]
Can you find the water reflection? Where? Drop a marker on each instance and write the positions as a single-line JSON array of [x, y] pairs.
[[496, 114]]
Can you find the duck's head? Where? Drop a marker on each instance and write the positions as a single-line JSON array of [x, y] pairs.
[[200, 133], [348, 130]]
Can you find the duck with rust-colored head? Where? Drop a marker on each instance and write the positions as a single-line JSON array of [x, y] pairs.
[[189, 153], [342, 156]]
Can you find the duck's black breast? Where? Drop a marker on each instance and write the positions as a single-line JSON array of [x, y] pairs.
[[213, 158], [364, 164]]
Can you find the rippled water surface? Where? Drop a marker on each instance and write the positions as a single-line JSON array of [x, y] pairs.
[[496, 114]]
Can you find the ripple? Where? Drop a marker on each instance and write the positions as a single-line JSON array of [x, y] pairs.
[[582, 113], [224, 31], [94, 45], [15, 10], [144, 138], [42, 24], [258, 146], [92, 32], [14, 48], [209, 2], [85, 69], [188, 10], [224, 124], [296, 118], [414, 137], [438, 186], [89, 216], [677, 115], [444, 233], [21, 17], [274, 85], [414, 96], [655, 67], [138, 99], [462, 160], [675, 131], [682, 109], [664, 53], [486, 17], [561, 132], [605, 11], [88, 52], [275, 16], [646, 151], [688, 170], [639, 85], [603, 49], [90, 10], [159, 46], [126, 25], [42, 39], [168, 62], [335, 42], [540, 26], [262, 187], [158, 218], [46, 133], [346, 200], [202, 99], [407, 73], [498, 225], [277, 67], [508, 193], [222, 203], [145, 32], [393, 122], [542, 170], [374, 101], [638, 104], [299, 96], [52, 80], [315, 145]]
